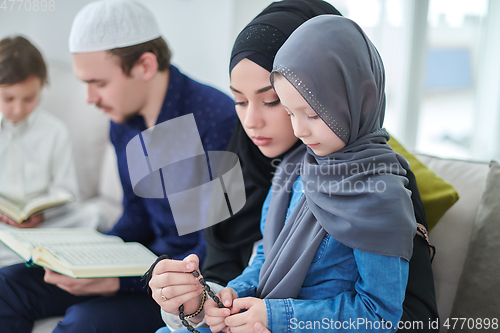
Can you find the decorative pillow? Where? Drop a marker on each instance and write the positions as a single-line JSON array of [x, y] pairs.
[[478, 295], [437, 195]]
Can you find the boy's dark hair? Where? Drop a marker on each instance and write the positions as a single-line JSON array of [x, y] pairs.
[[19, 59], [130, 54]]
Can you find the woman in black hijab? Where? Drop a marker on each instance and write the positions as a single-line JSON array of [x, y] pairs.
[[230, 243]]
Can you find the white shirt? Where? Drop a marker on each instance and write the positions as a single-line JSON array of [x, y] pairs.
[[35, 157]]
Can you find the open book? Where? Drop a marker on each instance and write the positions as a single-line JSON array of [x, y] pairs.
[[79, 253], [20, 212]]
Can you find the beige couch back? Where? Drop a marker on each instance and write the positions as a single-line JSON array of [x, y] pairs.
[[88, 127], [452, 233]]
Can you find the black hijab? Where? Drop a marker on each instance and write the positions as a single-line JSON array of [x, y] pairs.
[[230, 243]]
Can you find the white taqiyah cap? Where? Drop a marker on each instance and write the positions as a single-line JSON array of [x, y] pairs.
[[105, 25]]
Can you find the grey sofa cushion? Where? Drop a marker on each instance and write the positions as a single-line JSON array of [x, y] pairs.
[[478, 294]]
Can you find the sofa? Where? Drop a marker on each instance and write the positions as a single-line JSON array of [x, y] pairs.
[[452, 233], [99, 183]]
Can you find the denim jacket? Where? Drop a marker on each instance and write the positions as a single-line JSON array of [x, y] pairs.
[[344, 290]]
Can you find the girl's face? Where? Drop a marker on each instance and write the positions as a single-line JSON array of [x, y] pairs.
[[259, 109], [307, 125], [17, 101]]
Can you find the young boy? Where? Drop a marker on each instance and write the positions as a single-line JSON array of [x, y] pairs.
[[35, 149]]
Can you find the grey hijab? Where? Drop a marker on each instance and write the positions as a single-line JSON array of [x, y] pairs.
[[357, 194]]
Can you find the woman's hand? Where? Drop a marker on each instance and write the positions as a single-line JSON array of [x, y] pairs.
[[173, 280], [247, 321], [214, 316]]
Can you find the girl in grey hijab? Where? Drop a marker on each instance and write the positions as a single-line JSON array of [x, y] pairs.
[[340, 261]]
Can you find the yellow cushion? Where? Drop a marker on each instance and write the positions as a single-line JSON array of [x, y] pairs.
[[437, 195]]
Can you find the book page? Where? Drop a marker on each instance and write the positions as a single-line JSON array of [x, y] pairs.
[[10, 208], [11, 204], [42, 237], [105, 255], [52, 199], [20, 211]]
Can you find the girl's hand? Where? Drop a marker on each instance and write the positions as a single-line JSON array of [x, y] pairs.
[[246, 321], [214, 316], [173, 280]]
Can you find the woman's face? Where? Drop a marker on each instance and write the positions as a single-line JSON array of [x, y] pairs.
[[259, 109]]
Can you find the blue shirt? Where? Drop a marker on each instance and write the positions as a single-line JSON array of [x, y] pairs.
[[344, 290], [150, 221]]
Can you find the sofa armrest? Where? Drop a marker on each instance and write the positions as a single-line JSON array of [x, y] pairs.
[[452, 234]]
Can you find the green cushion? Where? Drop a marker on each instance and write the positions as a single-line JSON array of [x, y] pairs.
[[437, 194]]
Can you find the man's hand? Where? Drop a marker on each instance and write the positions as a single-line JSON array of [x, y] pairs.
[[214, 316], [81, 287], [173, 280], [31, 222], [247, 321]]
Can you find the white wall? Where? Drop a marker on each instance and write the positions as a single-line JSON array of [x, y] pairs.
[[200, 33], [48, 30], [244, 12]]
